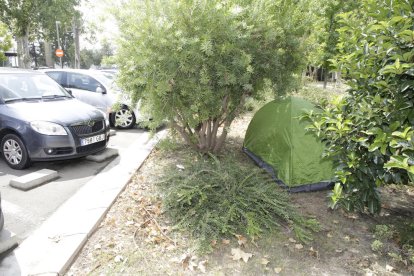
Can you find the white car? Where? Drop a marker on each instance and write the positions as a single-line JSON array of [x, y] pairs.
[[98, 89]]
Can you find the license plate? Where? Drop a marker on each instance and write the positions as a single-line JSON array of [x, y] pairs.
[[92, 139]]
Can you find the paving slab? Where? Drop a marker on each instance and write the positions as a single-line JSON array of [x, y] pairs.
[[103, 155], [51, 249], [34, 179]]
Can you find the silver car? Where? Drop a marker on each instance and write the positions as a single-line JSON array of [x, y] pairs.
[[98, 89]]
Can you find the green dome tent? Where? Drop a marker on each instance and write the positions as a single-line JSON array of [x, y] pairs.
[[277, 141]]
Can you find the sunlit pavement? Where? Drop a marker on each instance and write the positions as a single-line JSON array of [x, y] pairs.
[[68, 228]]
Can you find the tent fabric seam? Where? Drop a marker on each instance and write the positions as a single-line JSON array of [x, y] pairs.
[[309, 187]]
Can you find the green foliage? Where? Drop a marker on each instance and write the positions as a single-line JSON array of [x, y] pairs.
[[195, 62], [386, 237], [383, 232], [370, 132], [29, 20], [315, 94], [213, 199], [5, 40], [377, 246]]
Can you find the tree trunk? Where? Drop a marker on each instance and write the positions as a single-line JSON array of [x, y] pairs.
[[23, 51], [48, 55], [325, 77], [76, 31]]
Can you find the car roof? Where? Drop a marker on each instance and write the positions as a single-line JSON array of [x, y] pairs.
[[70, 70], [7, 70]]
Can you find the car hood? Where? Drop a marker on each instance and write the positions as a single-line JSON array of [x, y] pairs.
[[64, 112]]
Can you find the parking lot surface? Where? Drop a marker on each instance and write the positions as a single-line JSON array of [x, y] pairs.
[[24, 211]]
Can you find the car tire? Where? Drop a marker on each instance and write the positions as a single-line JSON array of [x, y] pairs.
[[123, 118], [14, 152]]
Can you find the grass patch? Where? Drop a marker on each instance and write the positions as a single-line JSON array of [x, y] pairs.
[[213, 199]]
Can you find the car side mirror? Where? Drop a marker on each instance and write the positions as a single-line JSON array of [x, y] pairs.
[[69, 91], [100, 90]]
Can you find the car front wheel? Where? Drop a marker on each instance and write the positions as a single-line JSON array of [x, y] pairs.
[[124, 118], [14, 152]]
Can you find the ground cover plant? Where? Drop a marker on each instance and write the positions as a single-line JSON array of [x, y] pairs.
[[215, 198]]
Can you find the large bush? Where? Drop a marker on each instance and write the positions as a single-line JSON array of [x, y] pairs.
[[370, 132], [194, 62]]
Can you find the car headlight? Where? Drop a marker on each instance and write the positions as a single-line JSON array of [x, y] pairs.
[[106, 116], [48, 128]]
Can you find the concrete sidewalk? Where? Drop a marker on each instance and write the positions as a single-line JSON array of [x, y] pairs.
[[52, 247]]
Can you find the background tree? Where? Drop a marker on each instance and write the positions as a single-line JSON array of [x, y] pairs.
[[194, 62], [29, 19], [90, 58], [370, 132], [5, 41], [324, 36]]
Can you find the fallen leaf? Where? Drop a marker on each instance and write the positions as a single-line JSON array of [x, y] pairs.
[[213, 243], [185, 260], [339, 250], [180, 167], [292, 240], [313, 252], [347, 238], [335, 221], [225, 241], [298, 246], [264, 261], [241, 240], [240, 254], [389, 268], [277, 270], [118, 258], [192, 266], [202, 266], [329, 235]]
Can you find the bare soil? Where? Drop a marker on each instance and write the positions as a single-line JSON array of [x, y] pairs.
[[136, 238]]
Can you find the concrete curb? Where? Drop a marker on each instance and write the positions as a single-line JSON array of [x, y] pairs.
[[34, 179], [51, 249]]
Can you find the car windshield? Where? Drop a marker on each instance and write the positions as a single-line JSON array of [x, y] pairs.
[[21, 86]]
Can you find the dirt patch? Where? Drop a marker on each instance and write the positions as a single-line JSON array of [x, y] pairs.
[[136, 239]]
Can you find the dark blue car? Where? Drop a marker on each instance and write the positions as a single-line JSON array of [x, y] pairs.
[[41, 121]]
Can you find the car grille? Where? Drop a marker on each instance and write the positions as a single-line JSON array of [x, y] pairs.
[[66, 150], [91, 147], [86, 128]]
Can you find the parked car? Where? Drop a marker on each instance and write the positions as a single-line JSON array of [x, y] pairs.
[[98, 88], [40, 120]]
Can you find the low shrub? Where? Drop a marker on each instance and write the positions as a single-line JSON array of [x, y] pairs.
[[213, 199]]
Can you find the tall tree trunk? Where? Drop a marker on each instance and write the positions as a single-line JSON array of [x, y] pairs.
[[76, 31], [48, 55], [23, 51], [325, 77]]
